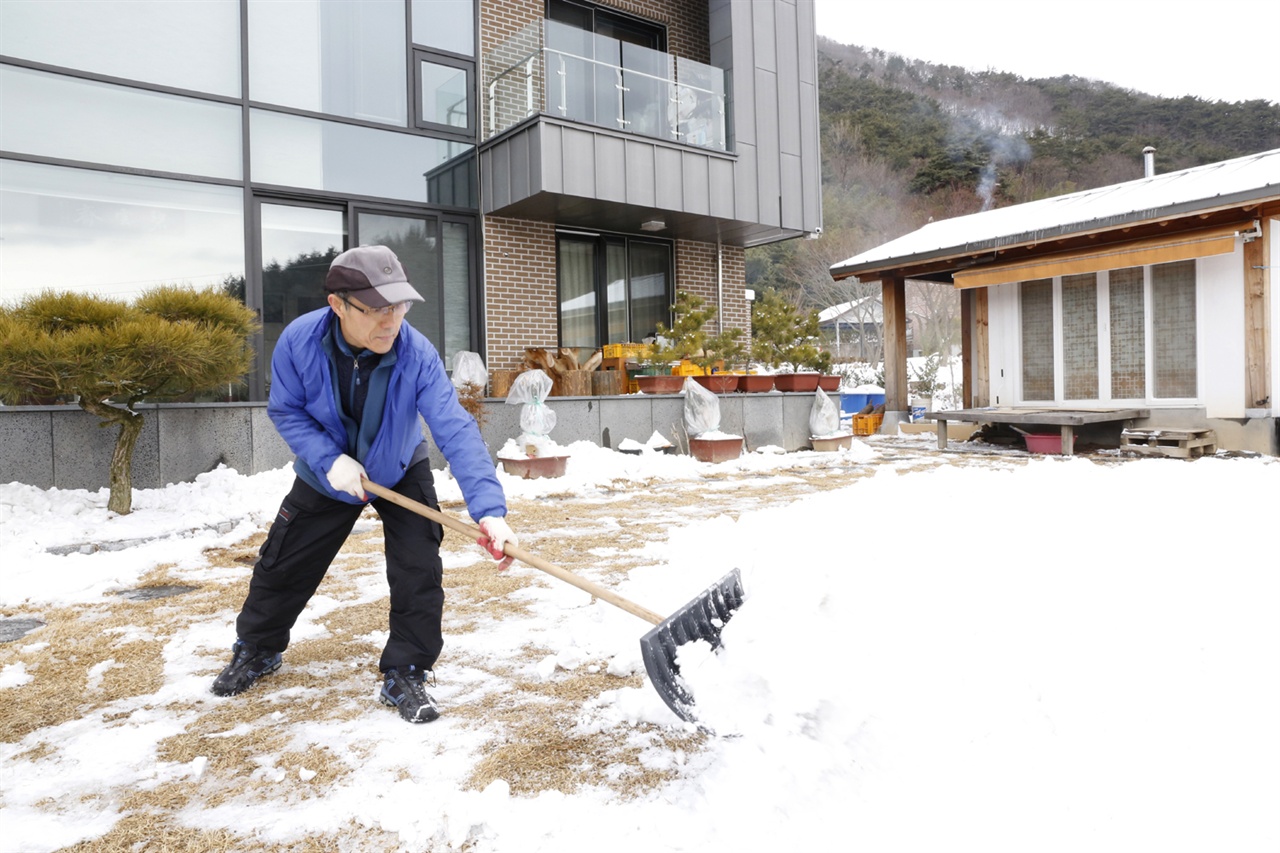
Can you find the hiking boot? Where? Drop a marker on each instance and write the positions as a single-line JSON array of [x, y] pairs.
[[403, 689], [248, 664]]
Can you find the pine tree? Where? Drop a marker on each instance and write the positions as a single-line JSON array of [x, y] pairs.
[[108, 356]]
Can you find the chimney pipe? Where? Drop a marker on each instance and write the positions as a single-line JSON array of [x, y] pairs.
[[1149, 161]]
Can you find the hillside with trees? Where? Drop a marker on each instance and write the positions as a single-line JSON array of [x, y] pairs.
[[905, 141]]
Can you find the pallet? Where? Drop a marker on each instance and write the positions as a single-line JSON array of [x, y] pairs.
[[1173, 443]]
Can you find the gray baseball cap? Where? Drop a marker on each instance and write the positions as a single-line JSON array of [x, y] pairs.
[[372, 274]]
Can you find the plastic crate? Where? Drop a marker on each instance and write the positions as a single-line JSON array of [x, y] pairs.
[[625, 350], [688, 368], [867, 424]]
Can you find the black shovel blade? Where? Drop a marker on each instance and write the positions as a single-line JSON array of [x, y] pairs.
[[703, 618]]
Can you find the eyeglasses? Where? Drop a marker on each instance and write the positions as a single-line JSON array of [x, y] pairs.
[[399, 309]]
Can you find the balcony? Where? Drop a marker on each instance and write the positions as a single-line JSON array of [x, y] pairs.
[[558, 70]]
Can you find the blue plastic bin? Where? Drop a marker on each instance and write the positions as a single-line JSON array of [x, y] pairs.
[[851, 404]]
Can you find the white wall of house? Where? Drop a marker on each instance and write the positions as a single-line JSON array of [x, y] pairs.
[[1220, 334]]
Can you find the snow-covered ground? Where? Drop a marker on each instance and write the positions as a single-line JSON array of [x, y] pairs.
[[938, 652]]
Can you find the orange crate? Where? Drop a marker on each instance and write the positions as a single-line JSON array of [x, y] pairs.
[[625, 350], [867, 424]]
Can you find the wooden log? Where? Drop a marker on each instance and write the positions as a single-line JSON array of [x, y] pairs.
[[594, 361], [574, 383], [500, 382], [605, 383]]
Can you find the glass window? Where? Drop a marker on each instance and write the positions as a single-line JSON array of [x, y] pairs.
[[1037, 340], [457, 289], [648, 292], [576, 266], [343, 57], [1080, 336], [445, 95], [1173, 326], [445, 25], [298, 244], [48, 114], [621, 300], [113, 234], [416, 243], [194, 44], [295, 151], [1128, 334]]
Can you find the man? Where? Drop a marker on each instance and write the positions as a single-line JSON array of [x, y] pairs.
[[348, 383]]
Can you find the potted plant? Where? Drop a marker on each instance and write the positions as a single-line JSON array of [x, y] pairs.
[[720, 352], [684, 341], [785, 341]]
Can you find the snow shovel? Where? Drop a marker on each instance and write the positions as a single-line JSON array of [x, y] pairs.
[[701, 619]]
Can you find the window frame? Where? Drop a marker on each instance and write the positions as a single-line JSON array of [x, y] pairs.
[[602, 241]]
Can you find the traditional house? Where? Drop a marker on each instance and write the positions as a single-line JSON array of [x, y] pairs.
[[1150, 299], [550, 171]]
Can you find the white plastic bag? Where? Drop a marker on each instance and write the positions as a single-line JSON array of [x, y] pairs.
[[530, 390], [701, 409], [469, 369], [824, 417]]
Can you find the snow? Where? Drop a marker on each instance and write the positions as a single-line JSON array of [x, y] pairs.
[[957, 654]]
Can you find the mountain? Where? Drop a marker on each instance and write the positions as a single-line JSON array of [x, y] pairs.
[[905, 141]]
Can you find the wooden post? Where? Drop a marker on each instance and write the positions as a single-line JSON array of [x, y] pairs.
[[894, 296], [980, 393], [1256, 345]]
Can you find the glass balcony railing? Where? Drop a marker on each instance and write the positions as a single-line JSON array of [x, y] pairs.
[[561, 70]]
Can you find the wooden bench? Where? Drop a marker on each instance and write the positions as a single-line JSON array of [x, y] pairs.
[[1066, 420]]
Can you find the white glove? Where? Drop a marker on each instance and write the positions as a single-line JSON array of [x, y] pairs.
[[345, 476], [496, 534]]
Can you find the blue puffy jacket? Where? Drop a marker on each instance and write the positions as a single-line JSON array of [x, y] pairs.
[[304, 409]]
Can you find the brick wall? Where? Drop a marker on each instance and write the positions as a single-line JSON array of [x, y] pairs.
[[519, 256], [696, 273], [519, 289]]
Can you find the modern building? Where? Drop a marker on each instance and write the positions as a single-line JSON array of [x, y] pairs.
[[1153, 295], [550, 171]]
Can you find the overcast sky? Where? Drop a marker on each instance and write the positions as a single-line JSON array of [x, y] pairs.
[[1212, 50]]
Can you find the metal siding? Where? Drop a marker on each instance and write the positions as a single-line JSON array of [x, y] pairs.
[[552, 157], [793, 191], [518, 171], [747, 201], [610, 169], [767, 153], [764, 35], [810, 158], [667, 192], [641, 176], [806, 42], [579, 162], [720, 176], [500, 177], [788, 95], [695, 184]]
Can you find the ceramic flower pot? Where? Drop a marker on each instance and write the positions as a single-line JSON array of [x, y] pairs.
[[829, 382], [803, 382], [719, 383], [755, 383], [716, 449], [660, 384], [535, 467], [832, 442]]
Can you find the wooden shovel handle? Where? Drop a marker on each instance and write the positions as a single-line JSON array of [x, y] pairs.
[[472, 532]]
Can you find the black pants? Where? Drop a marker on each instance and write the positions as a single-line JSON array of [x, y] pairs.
[[307, 534]]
